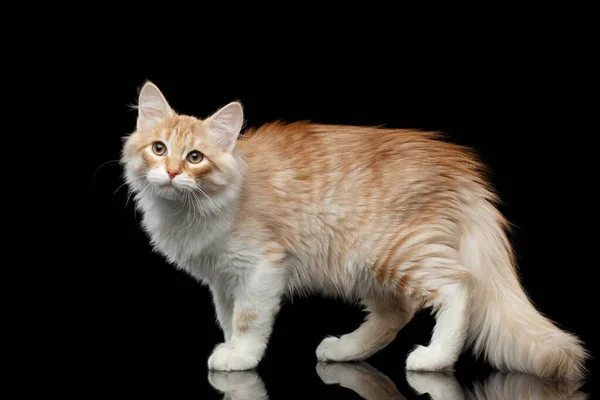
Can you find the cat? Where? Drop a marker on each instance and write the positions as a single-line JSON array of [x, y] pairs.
[[398, 220]]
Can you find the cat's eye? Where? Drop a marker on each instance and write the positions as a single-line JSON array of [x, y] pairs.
[[195, 157], [159, 148]]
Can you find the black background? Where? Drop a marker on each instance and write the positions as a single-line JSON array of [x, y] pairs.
[[156, 326]]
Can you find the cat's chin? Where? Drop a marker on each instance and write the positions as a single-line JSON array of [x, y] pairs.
[[169, 192]]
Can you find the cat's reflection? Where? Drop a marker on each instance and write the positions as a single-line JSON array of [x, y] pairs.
[[371, 384], [246, 385]]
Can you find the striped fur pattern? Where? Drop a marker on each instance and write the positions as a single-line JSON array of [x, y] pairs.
[[395, 219]]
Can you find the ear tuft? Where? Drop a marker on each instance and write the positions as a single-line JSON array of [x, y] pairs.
[[224, 126], [152, 107]]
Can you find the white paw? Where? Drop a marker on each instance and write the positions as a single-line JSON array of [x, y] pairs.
[[428, 359], [226, 357], [327, 349], [337, 349]]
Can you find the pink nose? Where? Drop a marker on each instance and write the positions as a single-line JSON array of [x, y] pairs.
[[172, 173]]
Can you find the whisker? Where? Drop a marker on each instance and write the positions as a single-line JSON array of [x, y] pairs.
[[216, 207], [115, 162], [183, 205], [188, 201], [133, 186], [193, 207], [139, 194], [131, 191], [185, 202], [120, 186]]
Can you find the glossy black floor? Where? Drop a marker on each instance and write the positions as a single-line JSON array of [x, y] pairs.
[[160, 352]]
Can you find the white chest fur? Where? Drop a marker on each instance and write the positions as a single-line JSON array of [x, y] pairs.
[[189, 239]]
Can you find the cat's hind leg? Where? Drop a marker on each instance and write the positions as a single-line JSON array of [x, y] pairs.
[[448, 290], [379, 329]]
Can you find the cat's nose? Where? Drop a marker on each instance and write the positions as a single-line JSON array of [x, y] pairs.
[[172, 173]]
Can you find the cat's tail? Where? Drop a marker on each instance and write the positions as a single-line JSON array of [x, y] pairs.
[[504, 325]]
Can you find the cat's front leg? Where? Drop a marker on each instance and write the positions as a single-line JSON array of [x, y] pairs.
[[256, 302], [224, 309]]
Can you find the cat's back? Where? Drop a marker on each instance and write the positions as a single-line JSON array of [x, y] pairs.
[[332, 171], [325, 150]]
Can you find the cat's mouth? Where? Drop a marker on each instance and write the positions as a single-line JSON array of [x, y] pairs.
[[164, 184], [169, 190]]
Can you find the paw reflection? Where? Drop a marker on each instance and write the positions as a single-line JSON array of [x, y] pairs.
[[439, 385], [361, 378], [371, 384], [238, 385]]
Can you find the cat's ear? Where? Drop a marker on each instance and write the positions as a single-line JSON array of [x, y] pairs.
[[225, 125], [152, 107]]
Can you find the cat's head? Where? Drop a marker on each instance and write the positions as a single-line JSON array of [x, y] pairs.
[[174, 156]]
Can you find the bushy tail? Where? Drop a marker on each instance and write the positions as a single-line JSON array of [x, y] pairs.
[[504, 324]]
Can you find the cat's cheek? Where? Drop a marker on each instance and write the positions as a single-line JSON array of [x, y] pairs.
[[158, 176], [137, 164], [218, 179]]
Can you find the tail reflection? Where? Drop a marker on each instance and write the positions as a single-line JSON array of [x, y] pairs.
[[499, 386], [520, 386], [363, 379], [245, 385]]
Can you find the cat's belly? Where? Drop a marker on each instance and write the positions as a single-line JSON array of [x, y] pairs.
[[333, 267]]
